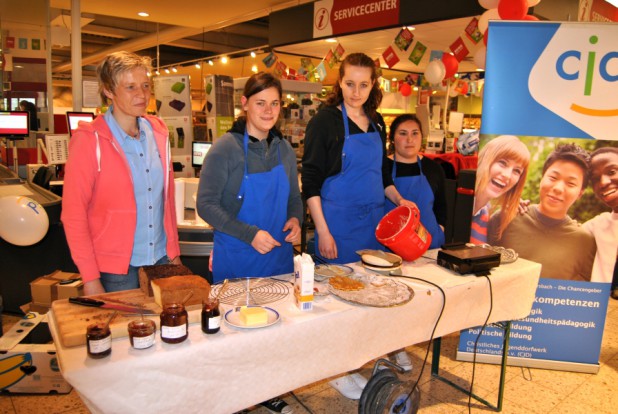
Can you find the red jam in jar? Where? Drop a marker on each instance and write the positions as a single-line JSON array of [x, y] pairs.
[[98, 340], [174, 323], [211, 316], [142, 333]]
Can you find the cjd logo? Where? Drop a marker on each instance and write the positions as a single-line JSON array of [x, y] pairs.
[[576, 77], [590, 67]]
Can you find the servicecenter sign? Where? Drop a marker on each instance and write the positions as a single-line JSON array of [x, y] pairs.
[[333, 17]]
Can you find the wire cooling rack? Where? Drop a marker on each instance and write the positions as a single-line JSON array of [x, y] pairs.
[[252, 291]]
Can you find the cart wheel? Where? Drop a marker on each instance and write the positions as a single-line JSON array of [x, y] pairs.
[[383, 395], [398, 401], [373, 385]]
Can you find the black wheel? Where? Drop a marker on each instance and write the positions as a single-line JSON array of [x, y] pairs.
[[383, 395], [373, 385], [398, 401]]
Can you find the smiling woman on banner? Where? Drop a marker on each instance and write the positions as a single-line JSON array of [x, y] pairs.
[[248, 190], [344, 176]]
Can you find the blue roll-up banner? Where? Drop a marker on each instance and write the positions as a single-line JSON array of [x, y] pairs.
[[551, 86]]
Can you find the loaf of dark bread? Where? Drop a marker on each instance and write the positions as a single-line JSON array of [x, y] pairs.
[[150, 273]]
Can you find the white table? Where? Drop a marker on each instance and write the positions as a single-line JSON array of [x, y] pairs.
[[237, 368]]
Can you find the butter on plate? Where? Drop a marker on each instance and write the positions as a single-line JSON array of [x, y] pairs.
[[253, 315]]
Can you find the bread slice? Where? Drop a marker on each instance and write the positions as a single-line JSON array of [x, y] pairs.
[[174, 289], [149, 273]]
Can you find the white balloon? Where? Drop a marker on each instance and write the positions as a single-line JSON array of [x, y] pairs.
[[23, 221], [479, 57], [531, 3], [435, 71], [491, 14], [491, 4]]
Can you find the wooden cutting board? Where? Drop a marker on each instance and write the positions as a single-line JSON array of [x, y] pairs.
[[72, 320]]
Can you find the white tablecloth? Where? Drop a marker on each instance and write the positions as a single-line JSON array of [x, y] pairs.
[[237, 368]]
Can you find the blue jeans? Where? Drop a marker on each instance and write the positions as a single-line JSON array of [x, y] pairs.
[[113, 282]]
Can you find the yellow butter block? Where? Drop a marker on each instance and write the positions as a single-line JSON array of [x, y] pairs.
[[253, 316]]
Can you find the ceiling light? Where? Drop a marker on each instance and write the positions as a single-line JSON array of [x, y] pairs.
[[157, 72], [174, 69], [148, 74], [224, 59], [253, 54], [331, 40], [210, 62], [415, 88], [198, 66], [167, 70], [410, 28], [394, 79], [254, 68], [143, 14]]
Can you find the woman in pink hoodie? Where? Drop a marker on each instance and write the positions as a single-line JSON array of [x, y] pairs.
[[118, 199]]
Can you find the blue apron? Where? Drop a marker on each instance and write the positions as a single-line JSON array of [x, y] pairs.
[[353, 200], [265, 200], [416, 188]]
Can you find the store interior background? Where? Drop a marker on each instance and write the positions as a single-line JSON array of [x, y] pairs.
[[198, 32]]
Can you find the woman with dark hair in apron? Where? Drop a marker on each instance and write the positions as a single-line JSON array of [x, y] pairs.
[[343, 176], [249, 193]]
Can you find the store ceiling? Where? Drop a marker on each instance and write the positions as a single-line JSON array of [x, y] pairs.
[[195, 29]]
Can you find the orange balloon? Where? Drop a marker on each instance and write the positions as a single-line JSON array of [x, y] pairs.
[[405, 89]]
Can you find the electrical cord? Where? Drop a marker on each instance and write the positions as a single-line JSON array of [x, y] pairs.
[[402, 405], [491, 306]]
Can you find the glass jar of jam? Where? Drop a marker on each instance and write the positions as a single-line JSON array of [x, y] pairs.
[[98, 340], [211, 316], [174, 323], [142, 333]]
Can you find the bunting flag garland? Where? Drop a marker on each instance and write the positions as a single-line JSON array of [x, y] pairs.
[[404, 39], [270, 59], [417, 53], [338, 52], [473, 32], [459, 49], [280, 69], [390, 57], [320, 71], [307, 64]]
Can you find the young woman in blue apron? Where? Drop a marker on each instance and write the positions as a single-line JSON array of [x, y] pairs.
[[342, 164], [406, 135], [249, 192]]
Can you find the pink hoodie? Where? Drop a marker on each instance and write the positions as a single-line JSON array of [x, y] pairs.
[[98, 205]]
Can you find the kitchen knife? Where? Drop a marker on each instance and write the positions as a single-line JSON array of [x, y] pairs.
[[79, 300]]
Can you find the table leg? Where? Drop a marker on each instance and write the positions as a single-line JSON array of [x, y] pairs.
[[435, 368]]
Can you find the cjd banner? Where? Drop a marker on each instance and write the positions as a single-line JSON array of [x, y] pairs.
[[550, 135]]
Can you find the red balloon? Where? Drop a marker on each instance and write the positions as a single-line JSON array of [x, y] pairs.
[[512, 9], [451, 64], [531, 18], [405, 89], [463, 88]]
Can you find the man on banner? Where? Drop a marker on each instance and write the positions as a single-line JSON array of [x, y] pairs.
[[545, 233], [604, 227]]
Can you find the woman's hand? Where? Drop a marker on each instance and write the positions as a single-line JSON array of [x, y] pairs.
[[294, 227], [327, 246], [263, 242], [94, 287], [404, 202]]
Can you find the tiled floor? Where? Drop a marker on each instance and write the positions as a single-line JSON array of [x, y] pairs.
[[527, 390]]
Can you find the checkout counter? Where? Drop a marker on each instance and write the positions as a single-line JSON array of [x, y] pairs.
[[22, 264]]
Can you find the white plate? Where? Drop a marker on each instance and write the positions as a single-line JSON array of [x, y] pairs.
[[232, 318], [381, 269]]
